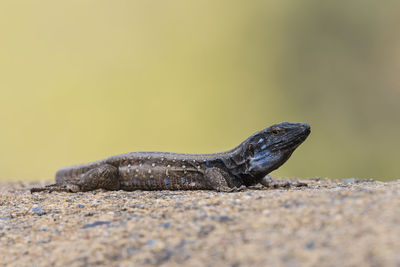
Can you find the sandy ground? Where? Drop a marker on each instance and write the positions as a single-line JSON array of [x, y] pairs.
[[328, 223]]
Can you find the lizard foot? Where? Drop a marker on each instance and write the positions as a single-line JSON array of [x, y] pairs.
[[268, 182]]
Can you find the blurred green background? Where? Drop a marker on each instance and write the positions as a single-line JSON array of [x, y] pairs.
[[85, 79]]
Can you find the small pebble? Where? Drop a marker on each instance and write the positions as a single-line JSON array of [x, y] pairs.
[[166, 225], [351, 180], [38, 210], [98, 223], [223, 218]]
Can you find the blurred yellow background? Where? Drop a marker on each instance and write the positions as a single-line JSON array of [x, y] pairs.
[[85, 79]]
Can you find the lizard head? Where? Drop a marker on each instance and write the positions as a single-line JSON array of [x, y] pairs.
[[268, 149]]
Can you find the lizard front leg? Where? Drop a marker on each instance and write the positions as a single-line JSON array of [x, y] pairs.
[[217, 178], [103, 177]]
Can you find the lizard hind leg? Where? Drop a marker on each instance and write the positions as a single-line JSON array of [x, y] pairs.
[[102, 177]]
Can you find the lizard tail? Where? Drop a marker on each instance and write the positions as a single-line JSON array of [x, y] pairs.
[[56, 188]]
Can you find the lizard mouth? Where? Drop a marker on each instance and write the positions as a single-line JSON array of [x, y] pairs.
[[292, 142]]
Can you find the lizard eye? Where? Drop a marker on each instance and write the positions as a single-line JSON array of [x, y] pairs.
[[251, 149], [275, 131]]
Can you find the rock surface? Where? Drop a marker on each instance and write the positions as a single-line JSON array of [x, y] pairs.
[[329, 223]]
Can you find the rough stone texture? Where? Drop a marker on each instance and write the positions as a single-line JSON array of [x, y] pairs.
[[330, 223]]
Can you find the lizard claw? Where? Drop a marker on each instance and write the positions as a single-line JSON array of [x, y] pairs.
[[231, 190], [240, 189]]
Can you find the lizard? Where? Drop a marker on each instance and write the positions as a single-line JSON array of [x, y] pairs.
[[246, 165]]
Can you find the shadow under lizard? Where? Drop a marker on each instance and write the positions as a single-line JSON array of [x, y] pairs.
[[245, 165]]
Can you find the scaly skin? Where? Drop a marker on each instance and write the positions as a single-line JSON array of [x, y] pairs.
[[246, 165]]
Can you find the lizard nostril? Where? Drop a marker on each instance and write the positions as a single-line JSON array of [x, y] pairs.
[[305, 125]]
